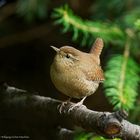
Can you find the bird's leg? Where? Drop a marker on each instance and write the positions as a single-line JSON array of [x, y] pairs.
[[63, 104], [80, 103]]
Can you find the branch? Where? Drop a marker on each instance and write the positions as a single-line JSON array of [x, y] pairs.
[[120, 69], [15, 102], [65, 134], [122, 77], [65, 16]]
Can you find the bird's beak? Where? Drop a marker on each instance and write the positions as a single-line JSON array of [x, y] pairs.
[[54, 48]]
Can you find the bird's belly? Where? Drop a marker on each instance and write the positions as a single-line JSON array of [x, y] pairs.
[[74, 86]]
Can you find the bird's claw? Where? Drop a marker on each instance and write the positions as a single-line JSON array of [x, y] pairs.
[[62, 106]]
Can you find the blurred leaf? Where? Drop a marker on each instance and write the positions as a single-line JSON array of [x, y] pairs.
[[137, 24], [130, 17], [90, 136], [85, 28], [134, 115], [121, 82], [32, 9]]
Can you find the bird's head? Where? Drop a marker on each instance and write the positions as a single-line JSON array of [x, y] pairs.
[[66, 55]]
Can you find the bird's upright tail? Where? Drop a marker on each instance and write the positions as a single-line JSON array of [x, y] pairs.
[[97, 47]]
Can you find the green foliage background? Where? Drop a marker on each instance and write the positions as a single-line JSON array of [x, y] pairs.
[[118, 23], [122, 68]]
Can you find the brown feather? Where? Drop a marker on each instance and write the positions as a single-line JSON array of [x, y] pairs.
[[95, 74], [97, 47], [91, 69]]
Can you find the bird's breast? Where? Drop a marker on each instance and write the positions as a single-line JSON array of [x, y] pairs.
[[73, 83]]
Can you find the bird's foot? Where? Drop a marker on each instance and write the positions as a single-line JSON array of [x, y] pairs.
[[62, 106], [77, 105]]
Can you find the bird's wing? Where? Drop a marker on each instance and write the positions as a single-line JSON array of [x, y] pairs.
[[94, 73]]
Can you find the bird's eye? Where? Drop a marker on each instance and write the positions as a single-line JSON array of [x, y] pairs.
[[67, 56]]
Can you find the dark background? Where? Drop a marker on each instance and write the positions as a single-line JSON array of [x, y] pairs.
[[26, 56]]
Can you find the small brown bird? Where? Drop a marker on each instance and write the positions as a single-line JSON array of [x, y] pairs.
[[75, 73]]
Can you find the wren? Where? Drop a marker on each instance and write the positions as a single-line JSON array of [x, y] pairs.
[[75, 73]]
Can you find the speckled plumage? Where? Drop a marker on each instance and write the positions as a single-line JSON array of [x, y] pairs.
[[75, 73]]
